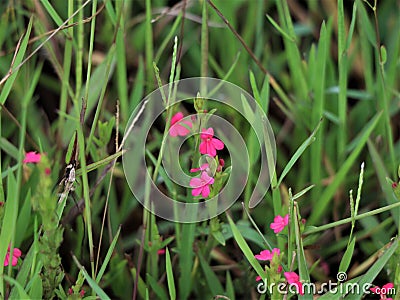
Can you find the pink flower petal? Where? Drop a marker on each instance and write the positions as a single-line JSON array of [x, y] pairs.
[[207, 133], [6, 260], [203, 167], [279, 223], [375, 289], [388, 286], [203, 147], [217, 144], [291, 277], [197, 191], [32, 157], [173, 131], [196, 182], [206, 178], [179, 128], [267, 255], [286, 219], [206, 191], [14, 261], [176, 118], [17, 252]]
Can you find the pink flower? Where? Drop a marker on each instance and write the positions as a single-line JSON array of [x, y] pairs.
[[258, 278], [203, 167], [31, 157], [161, 252], [383, 291], [209, 145], [16, 253], [177, 127], [201, 185], [293, 279], [82, 293], [279, 223], [268, 255]]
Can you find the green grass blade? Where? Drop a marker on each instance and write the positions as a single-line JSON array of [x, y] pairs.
[[376, 268], [170, 276], [230, 290], [18, 59], [347, 256], [279, 28], [93, 284], [108, 256], [341, 174], [156, 287], [20, 288], [8, 226], [246, 249], [298, 153], [382, 174], [213, 282]]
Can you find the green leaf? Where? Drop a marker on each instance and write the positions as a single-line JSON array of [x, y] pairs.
[[36, 288], [108, 256], [246, 249], [302, 192], [20, 288], [93, 284], [277, 27], [376, 268], [348, 254], [230, 290], [213, 282], [170, 276], [298, 153], [156, 287], [328, 193], [5, 91], [9, 220]]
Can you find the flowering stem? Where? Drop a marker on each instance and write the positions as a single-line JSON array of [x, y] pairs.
[[348, 220]]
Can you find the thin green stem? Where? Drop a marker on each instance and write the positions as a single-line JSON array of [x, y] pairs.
[[350, 219]]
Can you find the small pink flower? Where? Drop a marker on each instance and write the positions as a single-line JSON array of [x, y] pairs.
[[279, 269], [203, 167], [31, 157], [221, 164], [179, 127], [82, 293], [268, 255], [161, 252], [293, 279], [258, 278], [70, 291], [279, 223], [383, 291], [209, 145], [201, 185], [16, 253]]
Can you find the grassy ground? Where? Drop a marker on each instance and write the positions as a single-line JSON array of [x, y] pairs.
[[72, 72]]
